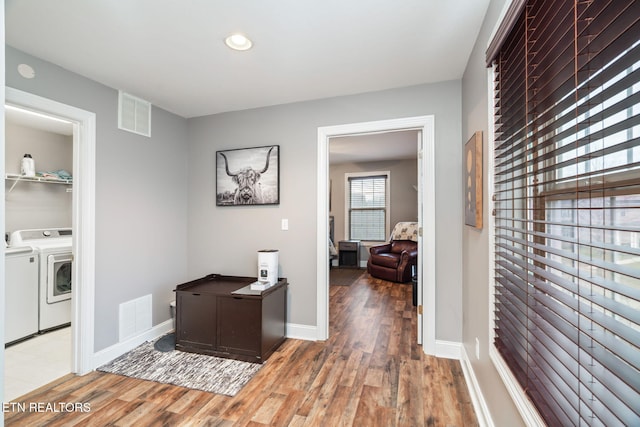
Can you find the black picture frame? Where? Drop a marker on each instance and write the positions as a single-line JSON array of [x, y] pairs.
[[248, 176]]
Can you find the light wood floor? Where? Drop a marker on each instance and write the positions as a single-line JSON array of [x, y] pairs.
[[369, 373]]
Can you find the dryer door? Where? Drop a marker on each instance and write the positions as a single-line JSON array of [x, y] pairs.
[[59, 268]]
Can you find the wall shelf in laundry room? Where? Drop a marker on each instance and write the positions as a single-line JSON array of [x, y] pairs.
[[41, 179]]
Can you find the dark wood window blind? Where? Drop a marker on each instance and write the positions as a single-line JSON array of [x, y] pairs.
[[567, 208], [367, 208]]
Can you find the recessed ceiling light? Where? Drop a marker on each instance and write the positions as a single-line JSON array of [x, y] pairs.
[[238, 42], [26, 71]]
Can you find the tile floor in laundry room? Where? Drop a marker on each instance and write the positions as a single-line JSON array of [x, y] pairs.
[[38, 361]]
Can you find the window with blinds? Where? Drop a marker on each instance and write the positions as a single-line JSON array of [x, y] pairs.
[[567, 208], [368, 208]]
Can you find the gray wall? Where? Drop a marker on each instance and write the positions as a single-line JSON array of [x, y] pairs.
[[141, 202], [152, 234], [225, 239], [476, 266], [36, 205], [403, 197]]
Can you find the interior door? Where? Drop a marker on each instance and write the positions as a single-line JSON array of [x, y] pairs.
[[420, 245]]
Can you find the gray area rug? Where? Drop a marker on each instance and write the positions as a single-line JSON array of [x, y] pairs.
[[196, 371]]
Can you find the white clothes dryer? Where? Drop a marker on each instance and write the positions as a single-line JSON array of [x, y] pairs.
[[56, 264]]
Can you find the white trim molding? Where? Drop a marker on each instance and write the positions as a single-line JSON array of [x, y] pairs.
[[426, 126], [477, 398], [102, 357], [449, 349], [301, 332], [108, 354], [529, 414]]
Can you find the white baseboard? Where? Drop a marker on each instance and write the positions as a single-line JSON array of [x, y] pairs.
[[108, 354], [448, 349], [301, 332], [456, 350], [527, 410], [477, 398]]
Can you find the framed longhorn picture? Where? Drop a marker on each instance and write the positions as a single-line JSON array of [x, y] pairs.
[[248, 176]]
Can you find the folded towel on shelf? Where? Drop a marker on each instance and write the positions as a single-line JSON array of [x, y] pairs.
[[59, 174], [63, 174], [46, 175]]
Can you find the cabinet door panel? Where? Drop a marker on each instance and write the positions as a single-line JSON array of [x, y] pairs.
[[274, 309], [196, 320], [239, 325]]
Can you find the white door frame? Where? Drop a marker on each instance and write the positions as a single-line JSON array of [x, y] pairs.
[[425, 124], [83, 222], [420, 272]]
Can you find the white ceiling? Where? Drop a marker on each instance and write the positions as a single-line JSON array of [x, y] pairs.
[[26, 118], [399, 145], [172, 54]]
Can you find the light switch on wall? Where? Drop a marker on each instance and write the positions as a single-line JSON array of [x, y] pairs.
[[285, 224]]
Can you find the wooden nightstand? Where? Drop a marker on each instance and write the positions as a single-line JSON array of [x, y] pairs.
[[349, 253]]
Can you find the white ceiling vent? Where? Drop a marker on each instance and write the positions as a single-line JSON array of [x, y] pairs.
[[134, 114]]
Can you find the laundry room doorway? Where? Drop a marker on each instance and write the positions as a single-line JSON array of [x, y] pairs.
[[39, 259], [76, 214]]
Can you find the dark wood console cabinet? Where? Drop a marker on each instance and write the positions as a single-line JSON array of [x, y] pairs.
[[222, 316]]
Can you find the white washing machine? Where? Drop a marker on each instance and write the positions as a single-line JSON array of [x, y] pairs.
[[54, 247], [21, 293]]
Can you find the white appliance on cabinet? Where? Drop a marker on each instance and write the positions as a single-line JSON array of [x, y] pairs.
[[268, 266], [21, 293]]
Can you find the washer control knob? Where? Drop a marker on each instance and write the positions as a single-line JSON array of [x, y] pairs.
[[46, 233]]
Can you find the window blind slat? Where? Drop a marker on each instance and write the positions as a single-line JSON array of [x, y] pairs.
[[565, 319]]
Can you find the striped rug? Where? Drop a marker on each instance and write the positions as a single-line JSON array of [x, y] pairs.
[[196, 371]]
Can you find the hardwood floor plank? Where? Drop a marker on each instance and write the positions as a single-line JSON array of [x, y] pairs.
[[287, 413], [410, 408], [370, 372], [212, 408], [374, 377], [190, 400], [111, 411], [328, 390], [271, 406], [135, 414], [351, 369], [323, 387], [335, 412], [349, 411], [390, 377], [136, 389]]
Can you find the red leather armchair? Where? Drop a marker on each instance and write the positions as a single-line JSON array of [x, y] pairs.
[[392, 261]]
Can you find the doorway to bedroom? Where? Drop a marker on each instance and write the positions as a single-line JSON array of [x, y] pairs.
[[423, 190]]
